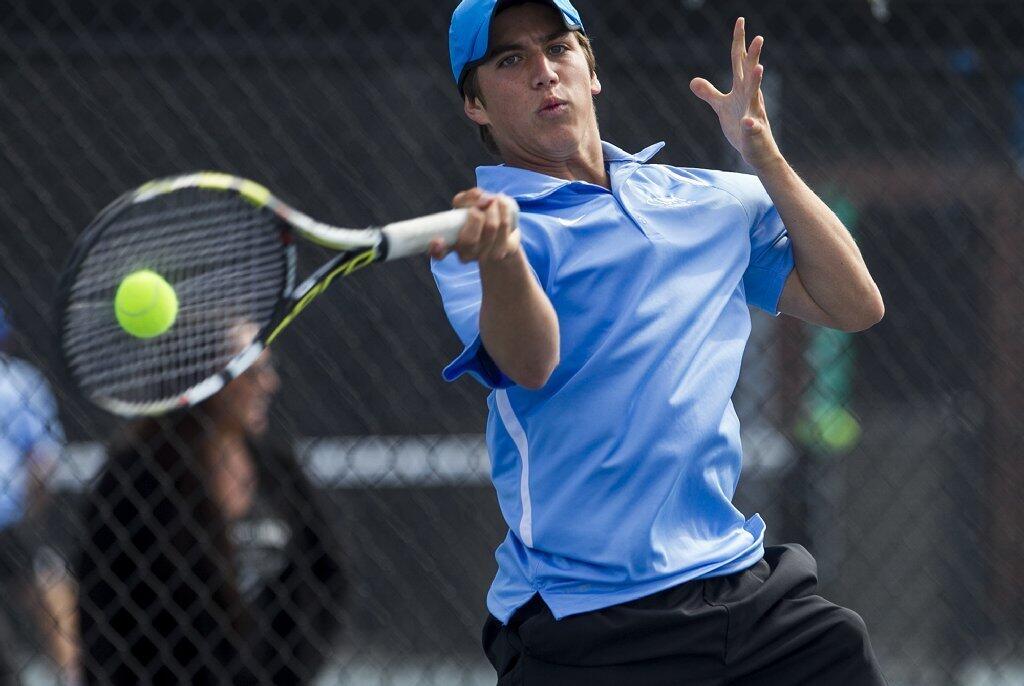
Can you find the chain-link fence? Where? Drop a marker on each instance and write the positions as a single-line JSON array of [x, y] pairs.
[[364, 553]]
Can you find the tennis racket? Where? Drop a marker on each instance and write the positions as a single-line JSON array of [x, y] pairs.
[[227, 247]]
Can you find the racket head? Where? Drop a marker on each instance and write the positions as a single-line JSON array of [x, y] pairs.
[[222, 244]]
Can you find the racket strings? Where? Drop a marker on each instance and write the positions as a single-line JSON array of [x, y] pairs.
[[223, 279], [178, 237], [226, 262]]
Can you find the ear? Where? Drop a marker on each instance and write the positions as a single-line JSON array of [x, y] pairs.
[[475, 110], [595, 84]]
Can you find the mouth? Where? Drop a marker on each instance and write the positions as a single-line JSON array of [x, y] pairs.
[[553, 106]]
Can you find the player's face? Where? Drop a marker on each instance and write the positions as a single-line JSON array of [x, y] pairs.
[[537, 86]]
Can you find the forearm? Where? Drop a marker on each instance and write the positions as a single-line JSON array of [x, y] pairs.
[[59, 621], [827, 259], [518, 325]]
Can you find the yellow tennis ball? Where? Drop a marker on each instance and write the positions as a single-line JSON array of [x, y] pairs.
[[840, 430], [145, 304], [832, 430]]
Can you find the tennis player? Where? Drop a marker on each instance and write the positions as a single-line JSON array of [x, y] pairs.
[[610, 327]]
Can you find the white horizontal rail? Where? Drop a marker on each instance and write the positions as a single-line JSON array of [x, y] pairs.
[[409, 461]]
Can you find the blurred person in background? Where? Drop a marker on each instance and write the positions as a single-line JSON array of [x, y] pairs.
[[207, 556], [33, 576]]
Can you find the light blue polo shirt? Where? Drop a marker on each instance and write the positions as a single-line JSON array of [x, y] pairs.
[[616, 478]]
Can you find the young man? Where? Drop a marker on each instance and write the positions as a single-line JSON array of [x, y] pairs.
[[610, 326]]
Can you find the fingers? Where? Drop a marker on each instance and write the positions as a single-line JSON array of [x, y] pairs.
[[744, 60], [739, 50], [488, 232], [468, 244], [436, 249], [468, 198], [755, 84], [503, 239], [746, 68], [754, 53], [755, 122], [703, 89]]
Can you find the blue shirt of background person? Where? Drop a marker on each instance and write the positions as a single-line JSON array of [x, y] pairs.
[[31, 436], [616, 477]]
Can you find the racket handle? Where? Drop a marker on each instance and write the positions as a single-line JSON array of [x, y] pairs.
[[413, 236]]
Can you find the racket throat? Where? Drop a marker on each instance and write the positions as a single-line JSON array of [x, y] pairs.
[[318, 282]]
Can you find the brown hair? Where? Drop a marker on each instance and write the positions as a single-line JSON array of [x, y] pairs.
[[471, 89], [157, 470]]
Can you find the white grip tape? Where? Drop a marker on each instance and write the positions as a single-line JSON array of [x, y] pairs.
[[413, 236]]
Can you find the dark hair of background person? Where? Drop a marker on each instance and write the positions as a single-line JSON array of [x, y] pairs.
[[160, 600]]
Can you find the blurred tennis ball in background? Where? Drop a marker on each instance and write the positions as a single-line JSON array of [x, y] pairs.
[[145, 304], [831, 430]]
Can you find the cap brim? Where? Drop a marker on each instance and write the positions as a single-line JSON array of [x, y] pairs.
[[571, 24]]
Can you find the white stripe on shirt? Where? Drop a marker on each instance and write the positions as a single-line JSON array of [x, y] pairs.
[[515, 431]]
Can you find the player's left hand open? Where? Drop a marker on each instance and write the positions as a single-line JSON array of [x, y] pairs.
[[741, 112]]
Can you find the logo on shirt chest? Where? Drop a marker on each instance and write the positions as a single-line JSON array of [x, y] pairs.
[[670, 201]]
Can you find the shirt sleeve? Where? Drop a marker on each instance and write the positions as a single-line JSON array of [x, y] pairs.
[[771, 255], [459, 286]]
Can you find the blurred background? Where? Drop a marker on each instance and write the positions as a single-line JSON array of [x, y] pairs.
[[893, 455]]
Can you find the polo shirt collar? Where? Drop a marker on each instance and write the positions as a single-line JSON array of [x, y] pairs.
[[525, 185], [614, 154]]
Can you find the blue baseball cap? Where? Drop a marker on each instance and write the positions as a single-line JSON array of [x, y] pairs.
[[470, 30]]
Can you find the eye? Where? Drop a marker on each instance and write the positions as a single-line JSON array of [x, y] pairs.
[[508, 61], [559, 49]]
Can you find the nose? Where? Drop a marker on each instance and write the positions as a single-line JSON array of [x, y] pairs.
[[545, 73]]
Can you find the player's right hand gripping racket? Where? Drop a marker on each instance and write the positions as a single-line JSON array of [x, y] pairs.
[[226, 247]]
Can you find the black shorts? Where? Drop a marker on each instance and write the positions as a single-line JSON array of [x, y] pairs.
[[760, 627]]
